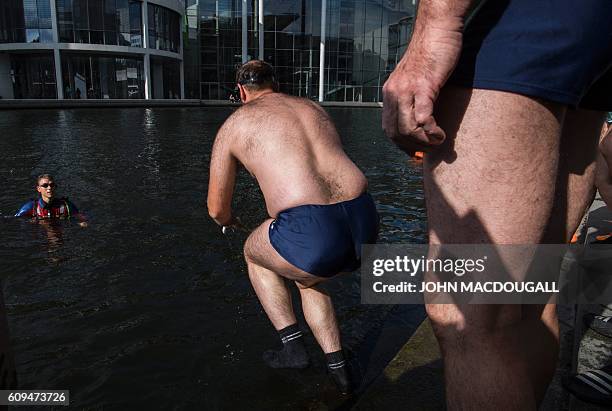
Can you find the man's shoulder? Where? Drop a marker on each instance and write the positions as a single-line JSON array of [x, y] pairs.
[[29, 204], [236, 122], [26, 208]]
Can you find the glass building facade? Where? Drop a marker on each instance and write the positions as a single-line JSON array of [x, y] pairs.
[[112, 22], [33, 75], [91, 49], [102, 77], [25, 21], [164, 29], [192, 48], [363, 41]]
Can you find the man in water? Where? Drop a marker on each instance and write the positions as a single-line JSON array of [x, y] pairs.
[[509, 108], [320, 213], [47, 205]]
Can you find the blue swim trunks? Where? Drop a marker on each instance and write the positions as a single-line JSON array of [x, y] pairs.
[[558, 50], [324, 240]]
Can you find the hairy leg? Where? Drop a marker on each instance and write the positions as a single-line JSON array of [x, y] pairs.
[[273, 294], [604, 167], [268, 269], [320, 316], [493, 181], [574, 193], [575, 188]]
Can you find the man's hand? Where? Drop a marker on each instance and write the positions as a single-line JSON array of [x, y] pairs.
[[413, 87], [234, 225]]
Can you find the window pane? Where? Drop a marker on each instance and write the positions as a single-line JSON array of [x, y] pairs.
[[96, 11], [81, 19], [110, 16], [110, 37], [124, 39], [46, 36], [32, 36], [44, 14], [123, 12], [82, 36], [135, 17], [96, 37]]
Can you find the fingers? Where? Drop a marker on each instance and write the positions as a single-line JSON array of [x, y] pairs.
[[408, 119], [389, 114], [423, 112]]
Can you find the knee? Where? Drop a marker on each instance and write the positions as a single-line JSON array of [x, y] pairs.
[[310, 283], [447, 321], [466, 325], [247, 251]]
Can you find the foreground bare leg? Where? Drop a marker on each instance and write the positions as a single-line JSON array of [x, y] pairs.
[[493, 181], [573, 195]]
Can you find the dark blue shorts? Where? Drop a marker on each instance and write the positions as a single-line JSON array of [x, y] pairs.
[[324, 240], [557, 50]]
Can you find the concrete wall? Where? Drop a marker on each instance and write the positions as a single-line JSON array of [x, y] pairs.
[[158, 80], [6, 83]]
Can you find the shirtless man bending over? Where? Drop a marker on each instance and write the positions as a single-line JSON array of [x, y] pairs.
[[316, 197]]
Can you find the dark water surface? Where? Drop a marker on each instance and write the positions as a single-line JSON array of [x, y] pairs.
[[150, 307]]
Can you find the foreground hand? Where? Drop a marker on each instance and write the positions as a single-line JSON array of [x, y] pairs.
[[412, 89]]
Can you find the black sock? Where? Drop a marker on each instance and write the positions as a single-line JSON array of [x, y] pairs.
[[338, 369], [293, 354]]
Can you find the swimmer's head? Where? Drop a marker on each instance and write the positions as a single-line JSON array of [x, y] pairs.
[[45, 185], [255, 77]]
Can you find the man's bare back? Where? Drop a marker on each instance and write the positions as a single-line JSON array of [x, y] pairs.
[[292, 148]]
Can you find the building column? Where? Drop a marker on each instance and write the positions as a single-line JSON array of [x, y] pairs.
[[182, 73], [145, 24], [260, 26], [245, 29], [181, 52], [322, 50], [145, 44], [59, 80], [147, 74]]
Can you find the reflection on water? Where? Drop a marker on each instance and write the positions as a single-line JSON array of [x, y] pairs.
[[150, 306]]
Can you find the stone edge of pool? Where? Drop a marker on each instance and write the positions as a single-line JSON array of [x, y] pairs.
[[55, 104]]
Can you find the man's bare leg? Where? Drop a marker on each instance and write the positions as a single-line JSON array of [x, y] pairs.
[[573, 195], [321, 317], [272, 291], [273, 294], [266, 271], [493, 181]]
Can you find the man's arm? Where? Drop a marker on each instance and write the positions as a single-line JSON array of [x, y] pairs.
[[26, 210], [413, 87], [604, 168], [223, 166]]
